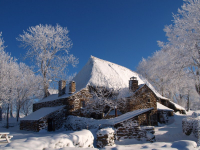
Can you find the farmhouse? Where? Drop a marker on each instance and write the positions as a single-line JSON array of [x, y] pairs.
[[138, 94]]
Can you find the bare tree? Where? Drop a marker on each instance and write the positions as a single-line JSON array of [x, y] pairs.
[[48, 47], [103, 99]]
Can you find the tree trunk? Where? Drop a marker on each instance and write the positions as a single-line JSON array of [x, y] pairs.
[[11, 112], [18, 109], [0, 113], [7, 126], [188, 102]]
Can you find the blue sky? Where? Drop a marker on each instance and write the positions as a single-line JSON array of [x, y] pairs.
[[120, 31]]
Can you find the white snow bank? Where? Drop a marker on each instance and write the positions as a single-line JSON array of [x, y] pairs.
[[184, 144], [82, 139], [130, 144], [162, 107], [38, 114]]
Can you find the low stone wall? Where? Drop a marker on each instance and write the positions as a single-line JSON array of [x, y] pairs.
[[105, 137], [130, 129], [29, 125]]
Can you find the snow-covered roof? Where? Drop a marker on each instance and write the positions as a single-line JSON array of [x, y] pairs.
[[162, 107], [125, 116], [52, 91], [98, 72], [38, 114], [177, 106]]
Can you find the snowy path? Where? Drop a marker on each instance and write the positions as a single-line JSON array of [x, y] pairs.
[[172, 132]]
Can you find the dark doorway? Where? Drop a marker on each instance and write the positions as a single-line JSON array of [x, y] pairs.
[[51, 124]]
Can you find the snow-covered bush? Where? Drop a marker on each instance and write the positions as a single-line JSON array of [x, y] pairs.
[[195, 127], [195, 115], [105, 137], [191, 125], [187, 125], [77, 123]]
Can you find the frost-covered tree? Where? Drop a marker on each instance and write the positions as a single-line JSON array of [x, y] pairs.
[[8, 69], [28, 87], [19, 86], [176, 66], [48, 47]]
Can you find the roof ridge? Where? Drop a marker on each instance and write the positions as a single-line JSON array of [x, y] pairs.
[[93, 57]]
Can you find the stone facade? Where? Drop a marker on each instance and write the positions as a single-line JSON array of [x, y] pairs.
[[131, 129], [56, 119], [73, 103], [143, 98], [128, 129]]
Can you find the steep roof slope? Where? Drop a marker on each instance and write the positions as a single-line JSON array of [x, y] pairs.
[[98, 72]]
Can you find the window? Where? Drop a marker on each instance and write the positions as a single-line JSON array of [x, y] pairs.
[[148, 100], [72, 106], [82, 104]]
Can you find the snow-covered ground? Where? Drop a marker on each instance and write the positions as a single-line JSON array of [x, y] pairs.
[[169, 137]]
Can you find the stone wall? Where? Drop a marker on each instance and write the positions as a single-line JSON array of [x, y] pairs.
[[53, 103], [73, 103], [29, 125], [131, 129], [36, 125], [142, 99], [105, 137], [58, 118]]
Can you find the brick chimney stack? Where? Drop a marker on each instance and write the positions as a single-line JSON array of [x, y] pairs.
[[61, 87], [133, 84], [72, 87]]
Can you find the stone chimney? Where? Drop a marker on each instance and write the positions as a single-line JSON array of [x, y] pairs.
[[61, 87], [133, 84], [72, 87]]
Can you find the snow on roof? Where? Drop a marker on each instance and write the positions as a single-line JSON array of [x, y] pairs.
[[55, 96], [52, 91], [177, 106], [125, 116], [98, 72], [162, 107], [38, 114]]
